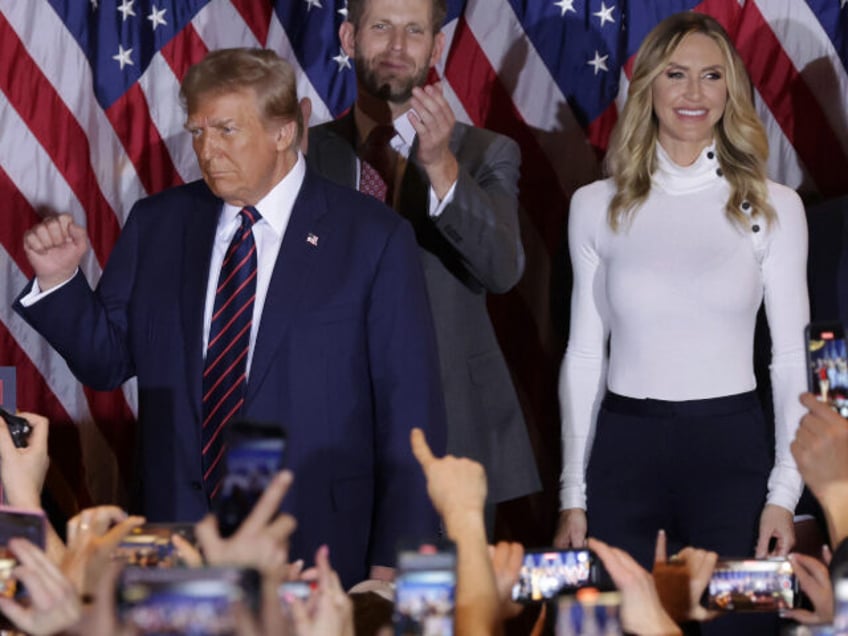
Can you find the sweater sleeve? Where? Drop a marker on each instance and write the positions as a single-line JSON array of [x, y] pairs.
[[582, 379], [787, 309]]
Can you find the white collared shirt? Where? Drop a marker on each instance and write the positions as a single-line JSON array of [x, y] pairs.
[[268, 232]]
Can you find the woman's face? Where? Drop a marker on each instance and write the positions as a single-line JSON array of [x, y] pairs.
[[689, 96]]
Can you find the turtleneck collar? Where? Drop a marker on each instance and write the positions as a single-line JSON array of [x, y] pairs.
[[676, 179]]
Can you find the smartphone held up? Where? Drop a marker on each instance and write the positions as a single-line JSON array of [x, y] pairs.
[[827, 364], [759, 585], [548, 573], [424, 593], [254, 455], [17, 523]]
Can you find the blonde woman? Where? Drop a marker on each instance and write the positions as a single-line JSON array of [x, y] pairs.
[[672, 257]]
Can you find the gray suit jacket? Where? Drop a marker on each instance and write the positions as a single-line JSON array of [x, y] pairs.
[[472, 248]]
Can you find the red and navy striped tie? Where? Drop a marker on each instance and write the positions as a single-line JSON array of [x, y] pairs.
[[224, 375]]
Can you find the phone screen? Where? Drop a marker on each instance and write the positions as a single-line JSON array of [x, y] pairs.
[[8, 389], [752, 585], [840, 598], [185, 600], [424, 594], [150, 545], [254, 456], [17, 523], [546, 574], [589, 613], [827, 363]]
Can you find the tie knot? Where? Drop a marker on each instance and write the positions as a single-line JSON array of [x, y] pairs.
[[249, 216]]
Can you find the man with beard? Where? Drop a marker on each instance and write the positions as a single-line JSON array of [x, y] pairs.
[[458, 186]]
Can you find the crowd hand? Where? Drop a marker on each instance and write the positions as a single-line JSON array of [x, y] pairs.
[[93, 535], [571, 529], [776, 522], [456, 485], [55, 605], [100, 615], [433, 122], [681, 581], [186, 551], [507, 557], [641, 610], [55, 248], [329, 610], [261, 541], [820, 447], [22, 470], [814, 579]]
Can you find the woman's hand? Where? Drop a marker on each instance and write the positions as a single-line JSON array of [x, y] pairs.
[[571, 529], [776, 522]]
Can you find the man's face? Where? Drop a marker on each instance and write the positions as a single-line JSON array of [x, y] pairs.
[[241, 157], [394, 47]]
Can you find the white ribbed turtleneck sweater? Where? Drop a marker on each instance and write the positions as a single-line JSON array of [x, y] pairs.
[[677, 290]]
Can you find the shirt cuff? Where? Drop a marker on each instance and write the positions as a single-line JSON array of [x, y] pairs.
[[436, 206], [784, 487], [35, 294], [572, 496]]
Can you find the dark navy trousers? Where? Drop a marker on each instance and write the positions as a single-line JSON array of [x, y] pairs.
[[697, 469]]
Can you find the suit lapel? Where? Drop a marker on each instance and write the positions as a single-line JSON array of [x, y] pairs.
[[413, 201], [299, 256]]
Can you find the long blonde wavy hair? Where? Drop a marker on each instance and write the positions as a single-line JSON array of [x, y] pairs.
[[740, 139]]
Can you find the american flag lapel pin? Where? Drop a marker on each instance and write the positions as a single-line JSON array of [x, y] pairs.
[[312, 239]]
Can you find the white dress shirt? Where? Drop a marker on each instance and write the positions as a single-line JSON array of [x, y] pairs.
[[268, 232]]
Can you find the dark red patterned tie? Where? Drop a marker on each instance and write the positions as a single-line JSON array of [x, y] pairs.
[[224, 374], [377, 165]]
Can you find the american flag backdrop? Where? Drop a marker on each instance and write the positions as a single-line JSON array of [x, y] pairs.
[[89, 122]]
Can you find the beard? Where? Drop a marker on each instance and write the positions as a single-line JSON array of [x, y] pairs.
[[393, 88]]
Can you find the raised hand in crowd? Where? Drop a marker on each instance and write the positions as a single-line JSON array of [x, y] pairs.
[[54, 602], [642, 612], [22, 472], [261, 541], [55, 248], [329, 609], [507, 557], [457, 488], [815, 582], [681, 581], [820, 450], [93, 535], [100, 616]]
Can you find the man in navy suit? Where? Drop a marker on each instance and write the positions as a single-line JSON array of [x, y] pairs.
[[342, 349]]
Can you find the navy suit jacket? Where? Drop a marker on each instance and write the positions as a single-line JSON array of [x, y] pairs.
[[345, 360]]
